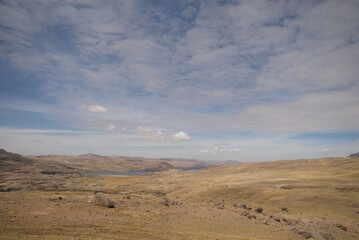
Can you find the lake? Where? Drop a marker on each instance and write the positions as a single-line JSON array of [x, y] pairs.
[[134, 173]]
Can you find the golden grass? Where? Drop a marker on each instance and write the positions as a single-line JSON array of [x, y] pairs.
[[318, 193]]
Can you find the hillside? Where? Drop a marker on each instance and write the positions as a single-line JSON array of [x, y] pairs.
[[296, 199]]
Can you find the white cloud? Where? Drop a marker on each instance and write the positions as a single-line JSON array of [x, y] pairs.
[[150, 134], [110, 127], [97, 108], [220, 150], [181, 136], [275, 66]]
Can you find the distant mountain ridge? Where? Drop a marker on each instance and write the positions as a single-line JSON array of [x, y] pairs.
[[354, 155], [92, 155]]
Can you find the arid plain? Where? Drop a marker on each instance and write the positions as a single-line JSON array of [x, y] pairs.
[[46, 197]]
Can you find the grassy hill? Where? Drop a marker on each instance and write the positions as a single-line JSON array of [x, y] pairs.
[[309, 198]]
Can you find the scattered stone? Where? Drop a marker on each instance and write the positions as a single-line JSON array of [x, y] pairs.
[[165, 202], [219, 205], [259, 209], [327, 236], [312, 233], [240, 206], [176, 203], [277, 219], [55, 199], [136, 204], [284, 209], [285, 220], [265, 221], [249, 215], [289, 221], [101, 200], [159, 194], [286, 187], [303, 232], [341, 226]]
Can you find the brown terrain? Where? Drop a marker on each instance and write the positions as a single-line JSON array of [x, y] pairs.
[[46, 197]]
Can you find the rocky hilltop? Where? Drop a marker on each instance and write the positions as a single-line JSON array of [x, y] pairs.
[[12, 162], [354, 155]]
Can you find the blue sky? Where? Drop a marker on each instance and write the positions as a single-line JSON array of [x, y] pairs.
[[215, 80]]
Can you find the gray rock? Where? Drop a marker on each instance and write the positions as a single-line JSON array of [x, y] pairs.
[[341, 226], [308, 232], [240, 206], [284, 209], [259, 209], [249, 215], [327, 236], [303, 232], [101, 200], [165, 202], [265, 221], [219, 205]]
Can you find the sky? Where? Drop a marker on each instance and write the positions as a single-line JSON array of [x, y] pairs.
[[212, 80]]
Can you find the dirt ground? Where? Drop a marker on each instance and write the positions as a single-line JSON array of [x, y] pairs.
[[301, 199]]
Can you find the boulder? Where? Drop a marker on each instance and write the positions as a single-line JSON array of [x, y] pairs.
[[101, 200], [249, 215], [259, 209], [165, 202], [341, 226], [303, 232], [219, 205], [284, 209]]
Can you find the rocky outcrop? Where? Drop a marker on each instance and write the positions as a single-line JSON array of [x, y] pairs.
[[101, 200]]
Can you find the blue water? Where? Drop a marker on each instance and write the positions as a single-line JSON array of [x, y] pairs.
[[191, 168], [135, 173], [126, 173]]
